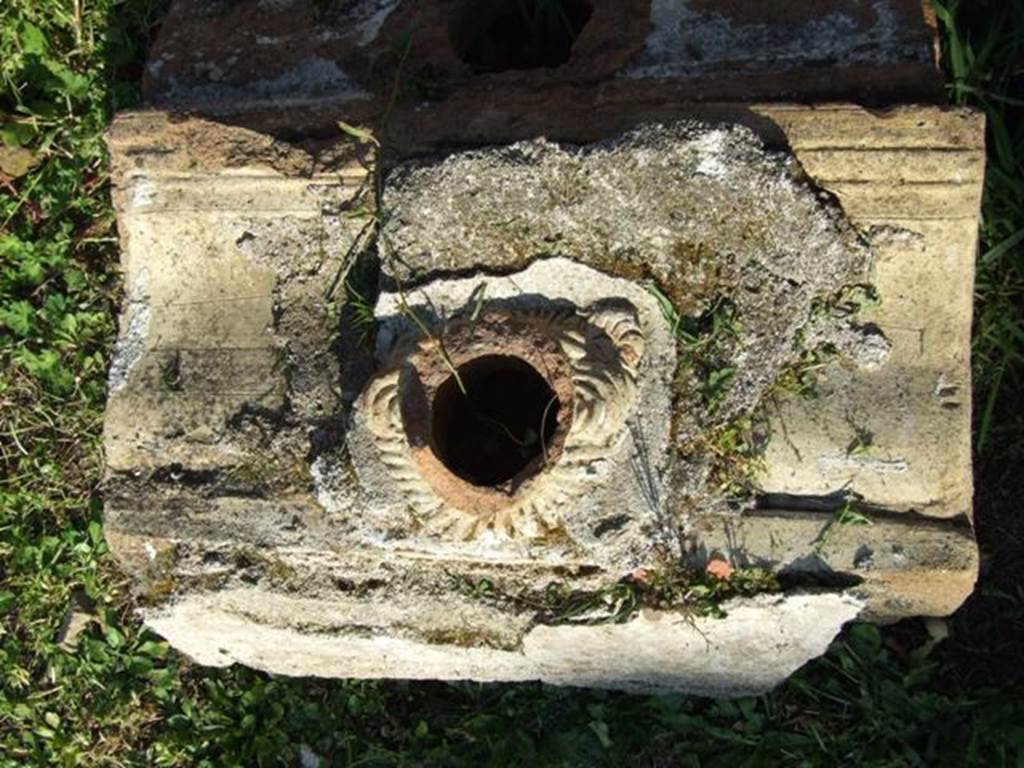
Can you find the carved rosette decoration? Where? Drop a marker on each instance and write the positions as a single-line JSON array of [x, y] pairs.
[[579, 366]]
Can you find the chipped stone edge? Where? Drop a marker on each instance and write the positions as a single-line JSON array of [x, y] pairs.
[[760, 642]]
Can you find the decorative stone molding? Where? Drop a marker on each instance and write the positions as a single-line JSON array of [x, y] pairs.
[[287, 496], [586, 359]]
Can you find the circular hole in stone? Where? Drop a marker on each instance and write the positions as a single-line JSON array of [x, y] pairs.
[[498, 35], [501, 428]]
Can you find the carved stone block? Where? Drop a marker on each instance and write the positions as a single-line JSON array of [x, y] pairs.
[[480, 387]]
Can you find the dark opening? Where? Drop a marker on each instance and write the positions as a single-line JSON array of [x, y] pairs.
[[505, 423], [497, 35]]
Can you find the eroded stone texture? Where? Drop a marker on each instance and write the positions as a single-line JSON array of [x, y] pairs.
[[762, 641], [248, 494], [599, 496], [275, 58], [901, 565], [290, 499], [898, 434], [728, 232], [292, 66], [694, 37]]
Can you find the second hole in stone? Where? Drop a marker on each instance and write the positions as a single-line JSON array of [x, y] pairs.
[[498, 35]]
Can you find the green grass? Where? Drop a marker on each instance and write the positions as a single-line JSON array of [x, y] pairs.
[[985, 56], [893, 697], [694, 593]]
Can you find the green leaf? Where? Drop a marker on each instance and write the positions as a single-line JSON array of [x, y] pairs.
[[69, 323], [18, 316], [33, 41], [115, 638], [33, 271], [720, 377], [363, 135], [18, 134], [75, 85], [48, 368], [154, 648], [600, 729], [479, 292], [95, 532], [995, 253]]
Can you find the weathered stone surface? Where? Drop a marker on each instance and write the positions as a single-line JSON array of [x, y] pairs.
[[725, 230], [761, 642], [228, 57], [900, 565], [223, 364], [292, 66], [259, 489], [691, 38], [290, 499], [898, 435], [600, 497]]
